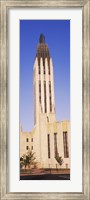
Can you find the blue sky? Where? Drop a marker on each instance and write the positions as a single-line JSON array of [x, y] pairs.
[[57, 36]]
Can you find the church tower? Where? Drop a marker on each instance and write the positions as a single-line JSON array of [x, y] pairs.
[[49, 138], [44, 101]]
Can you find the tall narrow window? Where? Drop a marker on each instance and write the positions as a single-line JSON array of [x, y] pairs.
[[27, 140], [40, 91], [44, 68], [50, 104], [55, 144], [50, 97], [48, 145], [65, 143], [26, 147], [44, 61], [45, 103], [34, 103], [49, 68], [50, 87], [39, 70], [39, 65]]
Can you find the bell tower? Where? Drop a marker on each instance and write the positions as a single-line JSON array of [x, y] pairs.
[[43, 82]]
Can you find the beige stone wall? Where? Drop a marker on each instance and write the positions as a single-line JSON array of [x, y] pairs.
[[43, 77], [24, 143], [40, 142], [51, 128]]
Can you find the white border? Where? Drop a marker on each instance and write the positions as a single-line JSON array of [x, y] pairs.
[[75, 184]]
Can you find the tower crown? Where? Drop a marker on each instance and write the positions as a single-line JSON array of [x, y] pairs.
[[42, 50]]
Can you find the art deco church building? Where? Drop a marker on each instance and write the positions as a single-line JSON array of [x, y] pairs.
[[48, 136]]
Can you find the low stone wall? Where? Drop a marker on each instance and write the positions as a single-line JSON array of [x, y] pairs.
[[45, 171], [59, 171]]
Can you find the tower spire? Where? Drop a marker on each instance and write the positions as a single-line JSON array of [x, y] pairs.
[[42, 39]]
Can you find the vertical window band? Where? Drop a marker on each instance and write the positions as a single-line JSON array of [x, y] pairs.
[[39, 91], [55, 144], [45, 103], [49, 68], [34, 103], [39, 70], [48, 145], [44, 68], [65, 144], [50, 96]]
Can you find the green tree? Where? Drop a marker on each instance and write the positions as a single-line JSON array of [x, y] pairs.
[[28, 160], [59, 159]]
